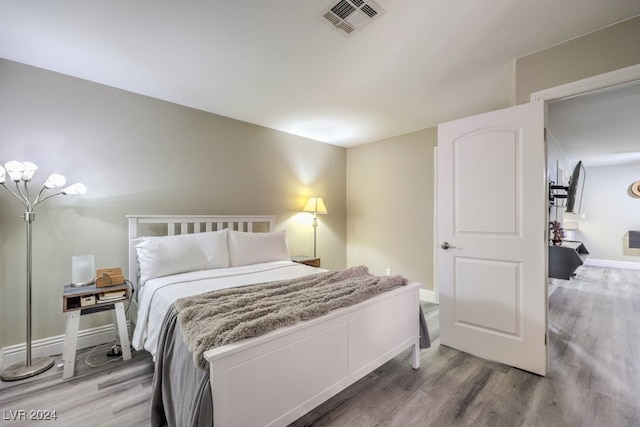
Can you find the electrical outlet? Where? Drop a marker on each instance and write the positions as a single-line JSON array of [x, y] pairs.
[[388, 271]]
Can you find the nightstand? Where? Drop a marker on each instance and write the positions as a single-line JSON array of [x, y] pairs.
[[79, 301], [307, 260]]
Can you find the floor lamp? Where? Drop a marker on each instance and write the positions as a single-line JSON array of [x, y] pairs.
[[315, 205], [22, 172]]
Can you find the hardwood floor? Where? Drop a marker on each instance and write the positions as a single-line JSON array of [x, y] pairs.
[[116, 394], [594, 378]]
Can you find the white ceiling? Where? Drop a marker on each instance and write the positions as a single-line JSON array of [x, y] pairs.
[[600, 129], [278, 64]]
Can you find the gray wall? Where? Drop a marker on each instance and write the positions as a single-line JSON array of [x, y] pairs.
[[140, 155], [609, 49], [610, 210], [390, 191]]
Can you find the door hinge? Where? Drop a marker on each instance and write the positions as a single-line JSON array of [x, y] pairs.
[[545, 134]]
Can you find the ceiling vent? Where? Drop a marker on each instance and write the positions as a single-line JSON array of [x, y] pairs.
[[350, 16]]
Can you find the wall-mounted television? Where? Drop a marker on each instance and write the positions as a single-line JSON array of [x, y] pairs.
[[575, 189]]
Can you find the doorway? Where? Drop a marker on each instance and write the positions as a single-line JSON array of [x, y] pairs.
[[595, 121], [461, 316]]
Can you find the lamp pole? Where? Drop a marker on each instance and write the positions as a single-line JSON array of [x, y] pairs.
[[316, 206], [30, 367], [315, 228], [29, 217]]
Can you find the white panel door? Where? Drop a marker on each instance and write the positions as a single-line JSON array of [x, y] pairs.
[[492, 225]]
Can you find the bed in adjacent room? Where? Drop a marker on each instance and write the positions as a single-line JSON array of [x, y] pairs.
[[241, 335]]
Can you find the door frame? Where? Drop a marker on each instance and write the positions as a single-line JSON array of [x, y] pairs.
[[618, 78]]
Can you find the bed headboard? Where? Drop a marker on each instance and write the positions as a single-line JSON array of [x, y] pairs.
[[169, 225]]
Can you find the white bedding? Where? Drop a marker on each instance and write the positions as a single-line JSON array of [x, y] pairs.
[[157, 295]]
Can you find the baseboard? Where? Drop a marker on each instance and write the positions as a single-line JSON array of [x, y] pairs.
[[428, 296], [55, 345], [94, 336], [612, 264]]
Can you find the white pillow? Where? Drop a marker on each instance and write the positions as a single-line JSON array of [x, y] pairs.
[[165, 255], [255, 248]]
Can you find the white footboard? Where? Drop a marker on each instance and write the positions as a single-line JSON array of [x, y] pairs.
[[278, 377]]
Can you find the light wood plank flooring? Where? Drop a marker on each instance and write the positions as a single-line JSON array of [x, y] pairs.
[[594, 377]]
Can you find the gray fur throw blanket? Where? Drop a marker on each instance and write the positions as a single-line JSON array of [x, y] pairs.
[[221, 317]]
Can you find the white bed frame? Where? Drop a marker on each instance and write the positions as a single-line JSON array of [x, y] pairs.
[[274, 379]]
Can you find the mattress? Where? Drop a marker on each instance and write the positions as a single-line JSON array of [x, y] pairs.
[[156, 297]]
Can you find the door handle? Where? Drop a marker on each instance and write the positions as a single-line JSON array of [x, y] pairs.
[[445, 246]]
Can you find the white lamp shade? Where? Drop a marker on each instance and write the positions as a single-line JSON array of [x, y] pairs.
[[29, 170], [82, 269], [75, 189], [14, 169], [55, 180], [315, 205]]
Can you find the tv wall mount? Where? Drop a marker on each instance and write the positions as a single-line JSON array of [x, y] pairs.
[[553, 193]]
